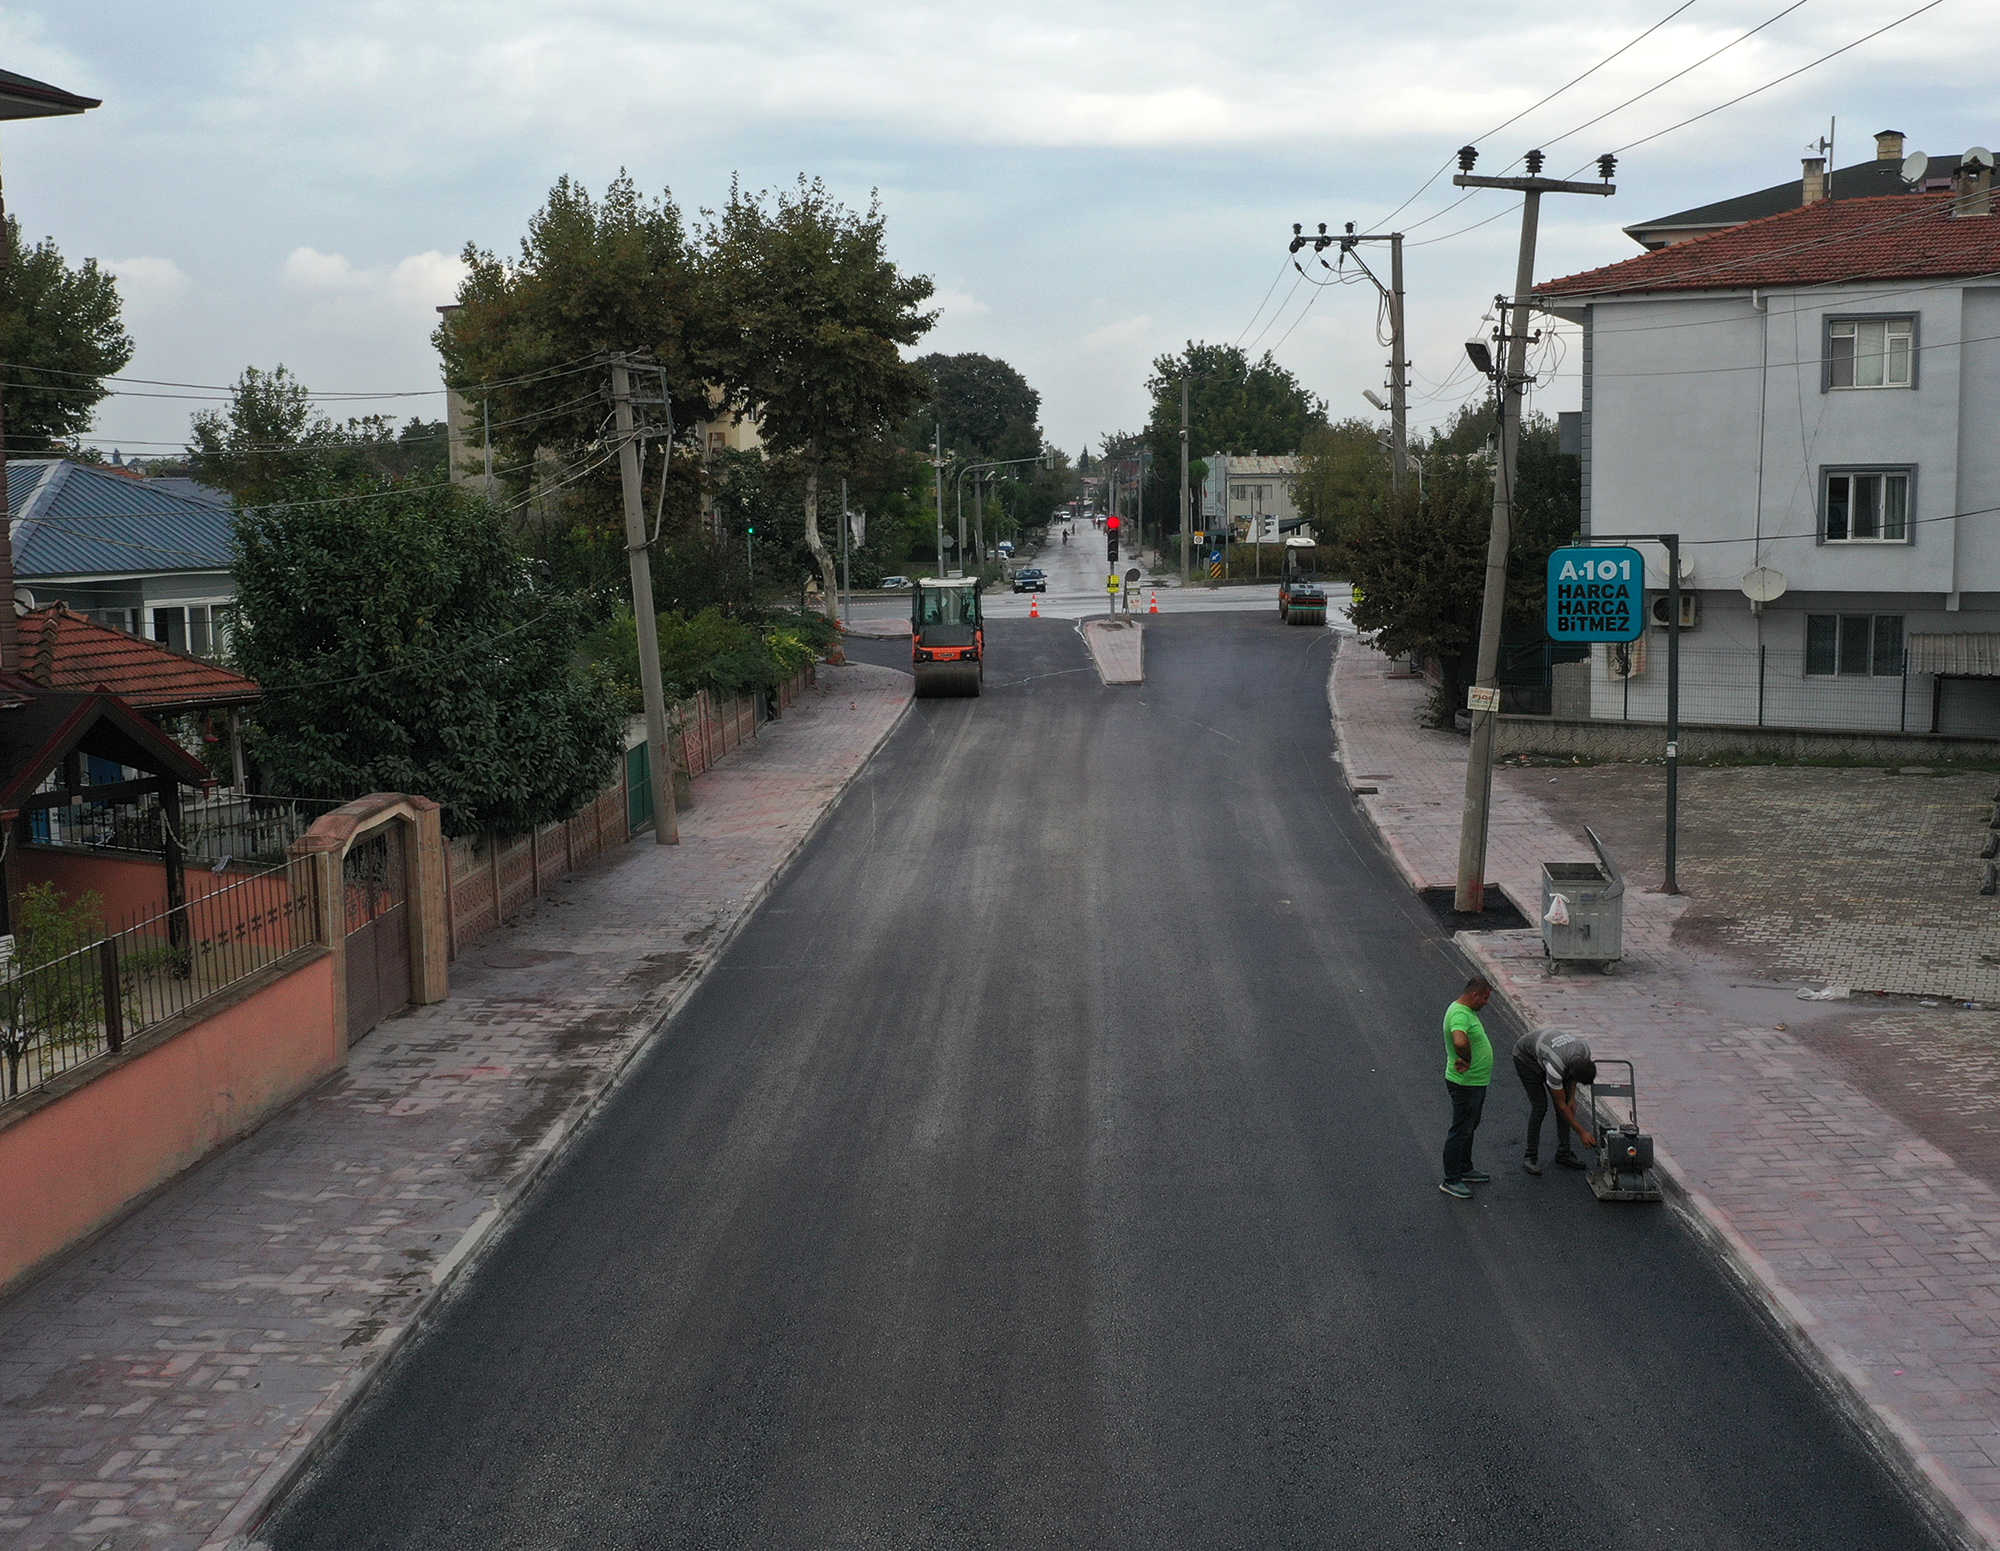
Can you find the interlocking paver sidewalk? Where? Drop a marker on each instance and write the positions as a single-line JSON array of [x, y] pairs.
[[1875, 1249], [156, 1388]]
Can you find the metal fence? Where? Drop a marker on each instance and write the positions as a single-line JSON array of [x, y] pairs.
[[231, 826], [59, 1014], [1747, 687]]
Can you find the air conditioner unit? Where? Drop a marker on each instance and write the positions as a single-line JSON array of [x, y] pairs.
[[1625, 659], [1690, 610]]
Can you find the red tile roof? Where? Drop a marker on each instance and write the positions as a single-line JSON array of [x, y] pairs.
[[61, 649], [1904, 237]]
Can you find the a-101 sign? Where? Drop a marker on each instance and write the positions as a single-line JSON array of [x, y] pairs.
[[1597, 595]]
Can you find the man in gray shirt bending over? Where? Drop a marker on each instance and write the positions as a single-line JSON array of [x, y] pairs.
[[1551, 1063]]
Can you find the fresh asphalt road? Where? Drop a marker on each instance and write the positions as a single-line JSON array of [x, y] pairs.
[[1053, 1162]]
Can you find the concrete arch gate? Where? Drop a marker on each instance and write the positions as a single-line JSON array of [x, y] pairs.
[[381, 865]]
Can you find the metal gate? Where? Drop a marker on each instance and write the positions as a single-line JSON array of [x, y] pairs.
[[375, 879]]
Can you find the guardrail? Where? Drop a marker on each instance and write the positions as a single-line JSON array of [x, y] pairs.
[[59, 1015]]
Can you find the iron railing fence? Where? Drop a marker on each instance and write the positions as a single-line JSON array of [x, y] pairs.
[[1765, 686], [84, 1004], [230, 826]]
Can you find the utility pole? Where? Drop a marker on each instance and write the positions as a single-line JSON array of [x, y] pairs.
[[1399, 353], [1511, 383], [1399, 369], [1187, 511], [659, 771], [937, 465], [846, 586]]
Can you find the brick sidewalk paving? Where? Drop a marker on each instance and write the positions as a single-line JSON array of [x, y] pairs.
[[1872, 1247], [158, 1387]]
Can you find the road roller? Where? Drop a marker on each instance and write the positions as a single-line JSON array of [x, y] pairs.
[[947, 636]]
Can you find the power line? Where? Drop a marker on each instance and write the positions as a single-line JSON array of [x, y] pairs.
[[572, 367], [1509, 123]]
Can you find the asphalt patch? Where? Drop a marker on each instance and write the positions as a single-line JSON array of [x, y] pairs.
[[1500, 915]]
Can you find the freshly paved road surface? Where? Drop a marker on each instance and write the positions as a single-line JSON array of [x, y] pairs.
[[1053, 1162], [1076, 588]]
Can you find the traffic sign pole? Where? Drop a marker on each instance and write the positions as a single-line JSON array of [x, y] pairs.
[[1672, 541]]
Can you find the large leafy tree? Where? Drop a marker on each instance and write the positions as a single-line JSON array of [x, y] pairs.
[[62, 334], [404, 645], [1235, 404], [526, 347], [984, 407], [1344, 474], [815, 314]]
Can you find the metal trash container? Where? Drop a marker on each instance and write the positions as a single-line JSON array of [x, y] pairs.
[[1595, 895]]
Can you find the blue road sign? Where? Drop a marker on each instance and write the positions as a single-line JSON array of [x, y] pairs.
[[1597, 595]]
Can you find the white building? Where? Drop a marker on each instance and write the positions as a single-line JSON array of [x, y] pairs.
[[1816, 395], [1250, 496]]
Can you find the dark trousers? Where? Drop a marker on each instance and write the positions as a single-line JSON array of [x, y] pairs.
[[1537, 1086], [1466, 1104]]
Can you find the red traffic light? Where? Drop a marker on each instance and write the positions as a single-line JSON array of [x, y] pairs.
[[1111, 523]]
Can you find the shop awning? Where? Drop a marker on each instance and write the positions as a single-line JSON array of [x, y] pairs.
[[1966, 654]]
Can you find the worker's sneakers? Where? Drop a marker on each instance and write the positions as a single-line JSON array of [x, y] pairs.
[[1570, 1160], [1533, 1166], [1476, 1177], [1457, 1188]]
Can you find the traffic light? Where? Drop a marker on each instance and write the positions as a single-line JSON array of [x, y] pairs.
[[1111, 539]]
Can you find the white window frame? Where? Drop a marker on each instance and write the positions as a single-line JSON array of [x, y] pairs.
[[1898, 326], [1883, 474]]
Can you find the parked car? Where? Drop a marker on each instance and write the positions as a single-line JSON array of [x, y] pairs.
[[1030, 580], [891, 583], [1006, 548]]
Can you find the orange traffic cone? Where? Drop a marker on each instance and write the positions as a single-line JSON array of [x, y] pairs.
[[1034, 605], [1156, 602]]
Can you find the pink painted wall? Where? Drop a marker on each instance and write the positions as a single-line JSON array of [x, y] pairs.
[[75, 1163], [133, 889]]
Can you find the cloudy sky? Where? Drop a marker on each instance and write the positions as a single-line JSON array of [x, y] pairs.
[[1089, 184]]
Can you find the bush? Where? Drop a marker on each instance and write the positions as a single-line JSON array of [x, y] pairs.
[[708, 651]]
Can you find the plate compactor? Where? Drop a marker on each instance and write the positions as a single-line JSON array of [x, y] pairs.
[[1624, 1167]]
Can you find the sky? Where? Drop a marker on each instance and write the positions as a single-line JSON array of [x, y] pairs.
[[1089, 185]]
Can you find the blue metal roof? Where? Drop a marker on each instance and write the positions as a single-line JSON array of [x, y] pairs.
[[71, 519]]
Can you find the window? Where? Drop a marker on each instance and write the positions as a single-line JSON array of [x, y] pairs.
[[1854, 645], [200, 629], [1870, 506], [1239, 493], [1869, 352]]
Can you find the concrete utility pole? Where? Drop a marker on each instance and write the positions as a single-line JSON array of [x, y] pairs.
[[659, 769], [1187, 511], [846, 523], [1399, 353], [1511, 382], [937, 465]]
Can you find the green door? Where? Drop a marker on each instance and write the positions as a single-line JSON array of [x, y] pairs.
[[638, 788]]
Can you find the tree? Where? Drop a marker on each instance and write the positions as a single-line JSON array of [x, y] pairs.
[[815, 313], [62, 334], [1419, 562], [404, 646], [1235, 405], [269, 436], [985, 408], [1343, 475], [525, 347]]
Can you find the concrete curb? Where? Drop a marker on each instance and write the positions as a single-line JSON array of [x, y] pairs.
[[1107, 641], [1943, 1499], [325, 1424]]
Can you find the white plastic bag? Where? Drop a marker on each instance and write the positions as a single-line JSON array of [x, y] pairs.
[[1558, 911]]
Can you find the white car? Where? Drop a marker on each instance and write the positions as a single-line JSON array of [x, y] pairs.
[[892, 583]]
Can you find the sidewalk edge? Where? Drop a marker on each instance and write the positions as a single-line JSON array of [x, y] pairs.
[[324, 1425], [1938, 1495]]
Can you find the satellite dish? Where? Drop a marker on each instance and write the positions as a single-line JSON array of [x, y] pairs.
[[1915, 165], [1762, 584], [1978, 156]]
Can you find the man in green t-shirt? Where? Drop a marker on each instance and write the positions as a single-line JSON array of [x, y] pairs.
[[1468, 1068]]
